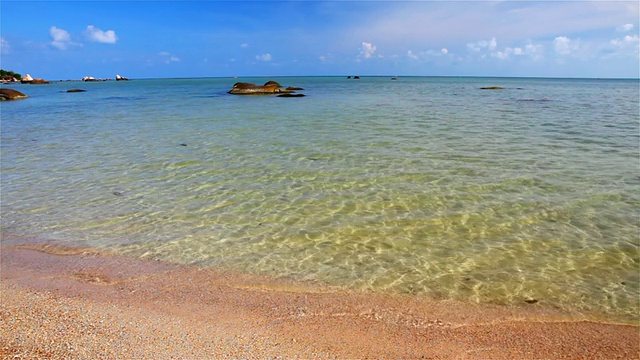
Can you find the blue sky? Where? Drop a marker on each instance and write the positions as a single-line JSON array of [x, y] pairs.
[[147, 39]]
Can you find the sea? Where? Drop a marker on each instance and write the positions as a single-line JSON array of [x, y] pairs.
[[527, 195]]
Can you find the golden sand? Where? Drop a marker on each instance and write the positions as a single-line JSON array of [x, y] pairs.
[[68, 303]]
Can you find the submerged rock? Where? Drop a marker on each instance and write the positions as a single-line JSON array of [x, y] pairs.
[[11, 94], [492, 88], [75, 90], [291, 95]]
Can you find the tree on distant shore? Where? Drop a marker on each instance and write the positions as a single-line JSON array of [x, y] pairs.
[[4, 73]]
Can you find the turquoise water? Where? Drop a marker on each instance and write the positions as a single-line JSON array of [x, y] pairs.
[[427, 186]]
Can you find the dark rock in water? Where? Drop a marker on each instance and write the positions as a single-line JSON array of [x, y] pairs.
[[291, 95], [242, 88], [11, 94], [293, 88], [272, 83], [118, 193], [356, 77], [270, 87], [531, 301], [349, 77], [492, 88], [183, 144], [75, 90]]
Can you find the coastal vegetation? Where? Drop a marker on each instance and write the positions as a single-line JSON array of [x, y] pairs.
[[9, 75]]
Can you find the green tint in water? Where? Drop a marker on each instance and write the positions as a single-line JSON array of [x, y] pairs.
[[419, 185]]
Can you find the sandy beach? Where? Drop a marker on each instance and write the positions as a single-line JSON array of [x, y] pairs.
[[74, 303]]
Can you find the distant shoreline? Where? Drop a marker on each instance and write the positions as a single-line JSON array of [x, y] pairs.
[[344, 76]]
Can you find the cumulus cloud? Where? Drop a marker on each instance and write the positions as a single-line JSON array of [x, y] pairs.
[[625, 28], [628, 45], [564, 46], [60, 38], [625, 41], [367, 50], [534, 51], [168, 57], [264, 57], [489, 48], [96, 35], [483, 44], [507, 52]]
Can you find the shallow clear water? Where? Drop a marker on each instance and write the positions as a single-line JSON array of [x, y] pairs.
[[420, 185]]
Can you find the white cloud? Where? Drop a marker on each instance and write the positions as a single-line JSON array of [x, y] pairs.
[[403, 22], [534, 51], [503, 55], [489, 48], [264, 57], [483, 44], [625, 28], [626, 46], [61, 38], [4, 46], [625, 41], [96, 35], [244, 45], [367, 50], [565, 46], [168, 57], [428, 54]]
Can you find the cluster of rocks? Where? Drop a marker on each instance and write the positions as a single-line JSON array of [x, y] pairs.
[[8, 79], [91, 78], [27, 79], [269, 88]]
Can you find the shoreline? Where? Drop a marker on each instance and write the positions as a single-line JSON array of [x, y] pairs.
[[110, 306]]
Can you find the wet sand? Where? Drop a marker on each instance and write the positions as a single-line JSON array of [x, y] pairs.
[[79, 303]]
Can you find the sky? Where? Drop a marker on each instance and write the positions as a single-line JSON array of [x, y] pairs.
[[58, 40]]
